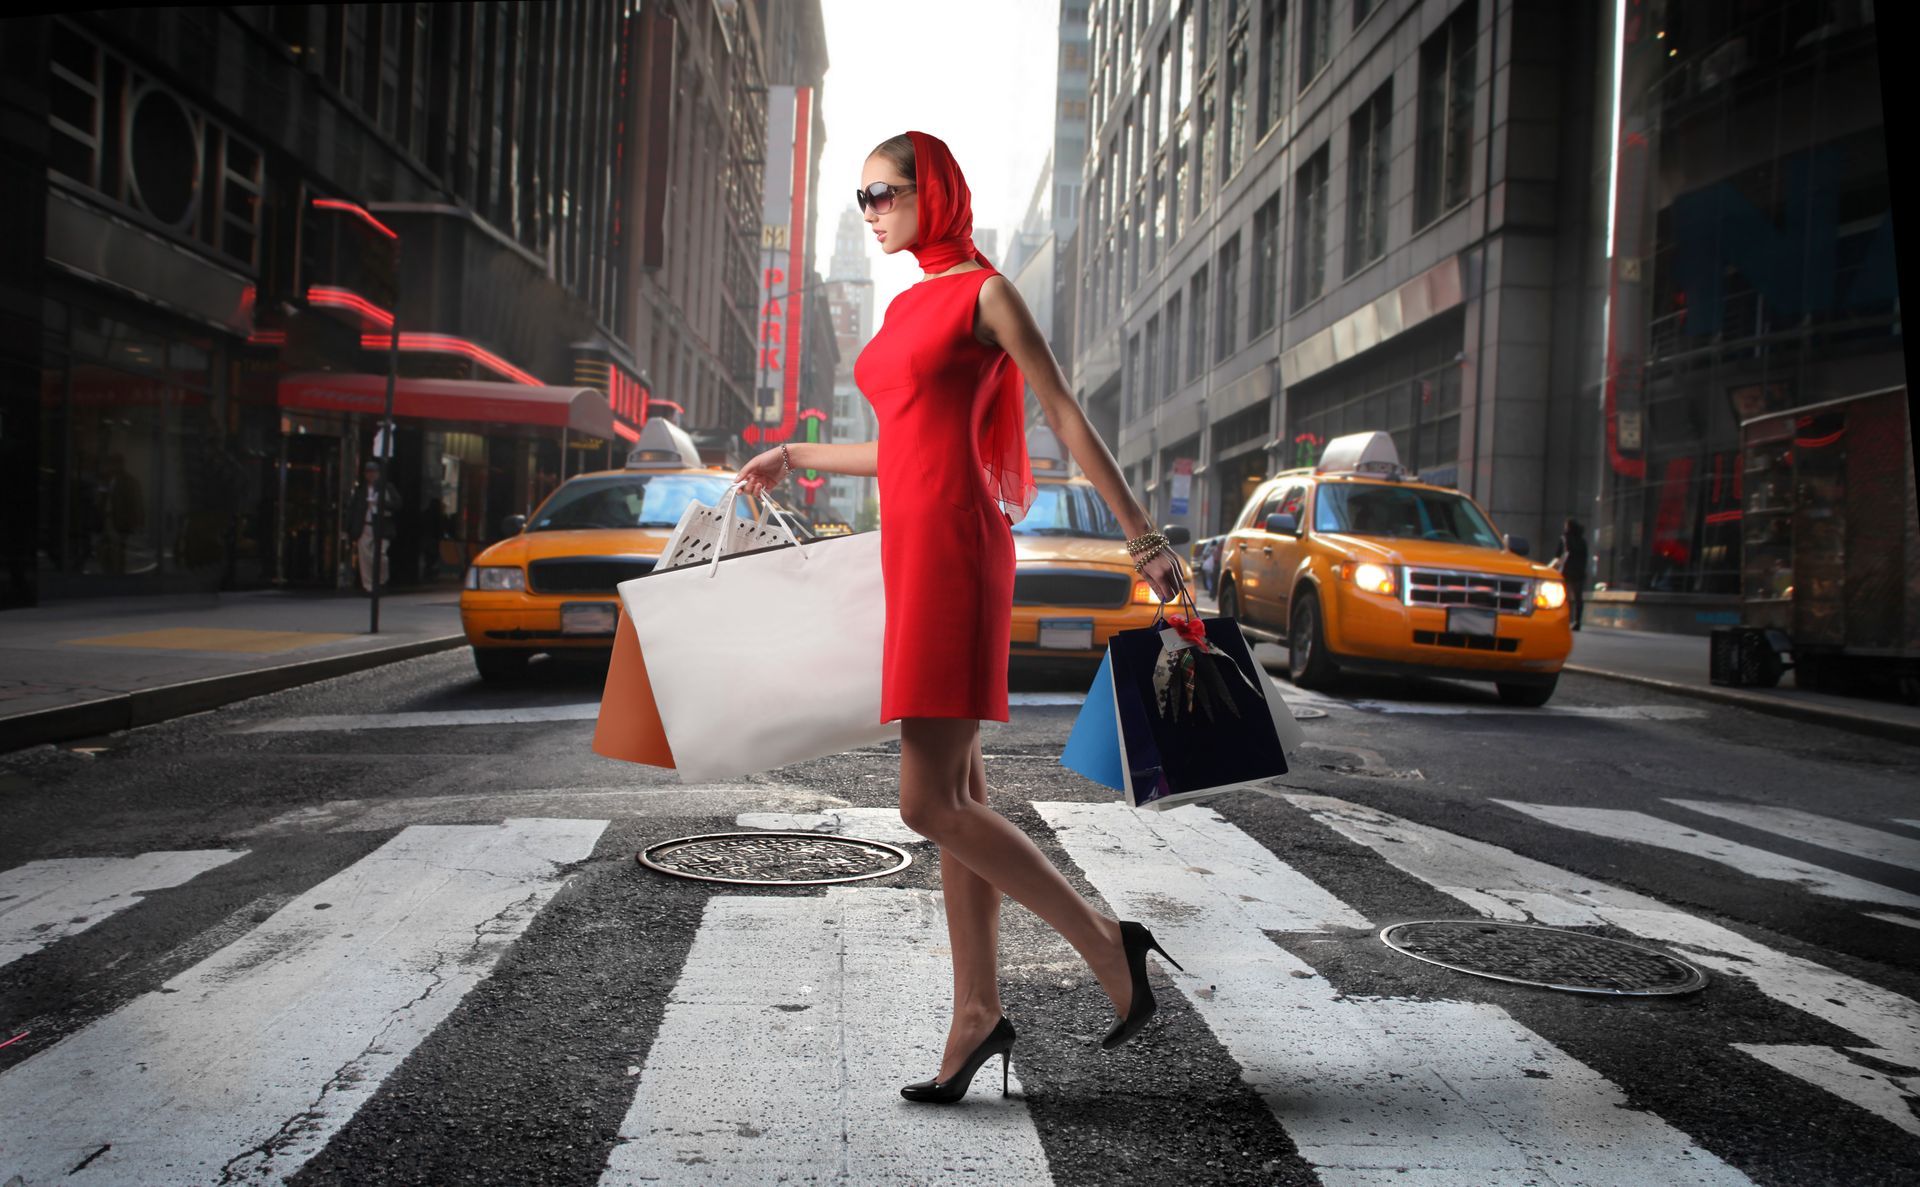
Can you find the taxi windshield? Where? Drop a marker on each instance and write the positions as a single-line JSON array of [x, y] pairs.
[[1067, 509], [630, 501], [1363, 509]]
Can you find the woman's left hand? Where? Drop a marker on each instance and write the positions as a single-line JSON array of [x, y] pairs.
[[1163, 574]]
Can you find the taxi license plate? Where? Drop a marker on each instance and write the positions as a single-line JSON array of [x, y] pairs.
[[588, 618], [1066, 634], [1471, 620]]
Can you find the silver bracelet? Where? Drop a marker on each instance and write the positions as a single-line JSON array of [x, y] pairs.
[[786, 457]]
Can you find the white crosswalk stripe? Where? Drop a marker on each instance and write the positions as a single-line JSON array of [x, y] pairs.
[[1624, 825], [45, 901], [822, 1004], [1505, 885], [1858, 840], [1438, 1088], [242, 1067]]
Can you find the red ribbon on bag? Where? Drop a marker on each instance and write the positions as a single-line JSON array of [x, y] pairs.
[[1193, 630]]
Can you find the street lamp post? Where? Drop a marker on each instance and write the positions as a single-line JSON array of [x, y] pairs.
[[385, 436]]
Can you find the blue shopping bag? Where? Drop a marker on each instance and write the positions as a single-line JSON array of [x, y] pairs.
[[1093, 748]]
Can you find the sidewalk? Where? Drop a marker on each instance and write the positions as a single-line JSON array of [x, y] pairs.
[[1678, 664], [87, 667]]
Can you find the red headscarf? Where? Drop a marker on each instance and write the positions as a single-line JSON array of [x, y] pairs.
[[944, 239]]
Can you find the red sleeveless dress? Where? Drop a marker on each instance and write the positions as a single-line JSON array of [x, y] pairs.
[[946, 547]]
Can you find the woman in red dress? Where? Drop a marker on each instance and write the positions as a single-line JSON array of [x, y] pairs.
[[945, 377]]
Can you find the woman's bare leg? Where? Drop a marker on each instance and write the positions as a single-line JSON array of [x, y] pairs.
[[936, 801], [973, 936]]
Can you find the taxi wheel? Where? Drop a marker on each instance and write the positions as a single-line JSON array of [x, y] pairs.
[[1308, 662], [1229, 603], [1529, 695], [500, 663]]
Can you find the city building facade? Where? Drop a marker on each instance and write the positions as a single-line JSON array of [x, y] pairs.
[[236, 217], [1305, 218], [851, 499]]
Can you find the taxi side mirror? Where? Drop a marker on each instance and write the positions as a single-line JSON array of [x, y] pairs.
[[1283, 525], [513, 525], [1176, 535], [1517, 545]]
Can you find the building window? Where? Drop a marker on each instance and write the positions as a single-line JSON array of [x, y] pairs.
[[1227, 319], [1264, 298], [1134, 383], [1362, 9], [1165, 74], [1150, 377], [1197, 324], [1203, 184], [1310, 229], [1314, 44], [1368, 156], [1273, 58], [1236, 129], [1159, 238], [1188, 63], [1171, 380], [1181, 182], [1445, 146], [1142, 234]]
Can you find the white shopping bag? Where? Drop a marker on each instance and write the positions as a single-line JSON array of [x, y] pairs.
[[767, 658], [703, 530]]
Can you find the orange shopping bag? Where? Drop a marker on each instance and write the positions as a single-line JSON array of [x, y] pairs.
[[629, 728]]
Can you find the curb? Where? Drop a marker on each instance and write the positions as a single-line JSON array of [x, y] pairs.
[[1858, 723], [147, 706]]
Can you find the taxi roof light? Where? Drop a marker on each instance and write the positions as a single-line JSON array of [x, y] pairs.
[[1044, 454], [664, 445], [1370, 453]]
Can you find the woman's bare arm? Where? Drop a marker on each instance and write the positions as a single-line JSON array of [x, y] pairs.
[[1010, 324], [860, 459]]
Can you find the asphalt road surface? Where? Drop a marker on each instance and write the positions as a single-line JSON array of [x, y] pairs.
[[390, 929]]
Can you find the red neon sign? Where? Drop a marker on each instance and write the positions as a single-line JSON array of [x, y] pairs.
[[356, 211]]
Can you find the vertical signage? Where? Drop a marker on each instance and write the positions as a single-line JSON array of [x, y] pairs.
[[783, 263]]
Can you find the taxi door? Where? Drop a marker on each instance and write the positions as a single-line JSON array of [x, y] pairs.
[[1285, 556], [1260, 590]]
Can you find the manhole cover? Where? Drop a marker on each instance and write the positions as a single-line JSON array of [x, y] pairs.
[[774, 859], [1549, 957], [1303, 713]]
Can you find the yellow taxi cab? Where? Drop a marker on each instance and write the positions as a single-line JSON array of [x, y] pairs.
[[550, 585], [1358, 567], [1073, 582]]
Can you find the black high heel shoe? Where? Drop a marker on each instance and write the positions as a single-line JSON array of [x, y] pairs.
[[999, 1042], [1136, 940]]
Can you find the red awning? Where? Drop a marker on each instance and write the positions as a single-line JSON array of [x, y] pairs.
[[580, 409]]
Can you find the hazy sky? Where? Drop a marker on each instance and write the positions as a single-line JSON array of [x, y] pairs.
[[979, 74]]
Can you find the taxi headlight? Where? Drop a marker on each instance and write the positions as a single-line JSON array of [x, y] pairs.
[[1143, 594], [496, 577], [1369, 576], [1550, 595]]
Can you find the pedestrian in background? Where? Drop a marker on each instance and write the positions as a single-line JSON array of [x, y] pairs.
[[948, 569], [370, 515], [433, 529], [1571, 560]]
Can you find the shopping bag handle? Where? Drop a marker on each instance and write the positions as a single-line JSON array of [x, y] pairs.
[[726, 518], [1185, 598]]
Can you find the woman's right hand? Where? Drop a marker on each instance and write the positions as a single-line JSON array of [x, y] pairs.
[[763, 473]]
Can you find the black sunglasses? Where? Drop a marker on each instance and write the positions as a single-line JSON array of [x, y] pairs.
[[879, 195]]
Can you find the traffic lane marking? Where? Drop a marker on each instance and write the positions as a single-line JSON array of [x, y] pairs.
[[1394, 1085], [1624, 825], [1856, 840], [45, 901], [248, 1062], [832, 1002], [665, 799], [426, 719], [1502, 884]]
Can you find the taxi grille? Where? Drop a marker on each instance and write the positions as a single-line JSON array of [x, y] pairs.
[[585, 574], [1102, 590], [1452, 587], [1470, 642]]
